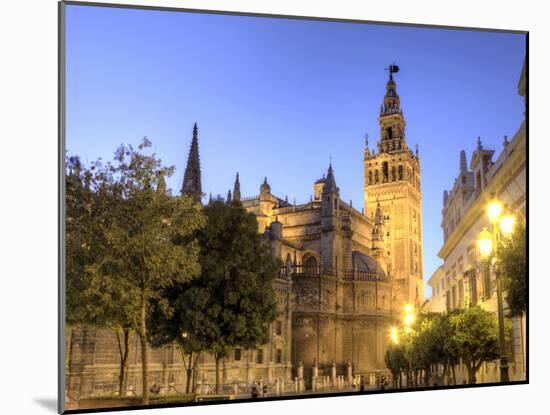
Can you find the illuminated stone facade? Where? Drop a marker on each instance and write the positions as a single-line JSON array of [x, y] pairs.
[[345, 278], [463, 280]]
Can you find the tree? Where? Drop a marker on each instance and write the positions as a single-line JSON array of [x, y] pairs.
[[171, 321], [513, 264], [233, 301], [90, 299], [396, 362], [477, 338], [146, 237]]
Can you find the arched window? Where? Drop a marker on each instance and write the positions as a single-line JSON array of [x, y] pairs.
[[389, 131], [376, 178], [400, 173], [370, 177], [310, 265], [393, 174], [385, 172]]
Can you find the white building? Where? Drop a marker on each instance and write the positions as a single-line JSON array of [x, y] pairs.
[[462, 281]]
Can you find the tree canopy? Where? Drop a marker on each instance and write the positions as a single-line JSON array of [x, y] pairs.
[[513, 262]]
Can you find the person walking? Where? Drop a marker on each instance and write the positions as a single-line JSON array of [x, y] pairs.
[[254, 391], [264, 390]]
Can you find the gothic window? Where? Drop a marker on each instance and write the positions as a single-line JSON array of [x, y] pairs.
[[370, 177], [389, 131], [400, 172], [279, 356], [385, 172], [260, 356], [278, 327], [237, 354], [393, 174], [376, 178], [310, 266]]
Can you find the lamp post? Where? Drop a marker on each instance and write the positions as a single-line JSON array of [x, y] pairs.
[[488, 248]]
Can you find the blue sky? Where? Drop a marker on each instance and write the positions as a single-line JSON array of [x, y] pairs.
[[280, 97]]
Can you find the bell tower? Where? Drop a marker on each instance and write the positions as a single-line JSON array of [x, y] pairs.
[[392, 185]]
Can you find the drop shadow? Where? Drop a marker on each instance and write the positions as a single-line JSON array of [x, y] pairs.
[[48, 403]]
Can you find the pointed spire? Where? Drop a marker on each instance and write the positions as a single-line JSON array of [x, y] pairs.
[[237, 189], [265, 188], [416, 150], [330, 182], [210, 198], [228, 200], [192, 177], [463, 162], [506, 142], [479, 146]]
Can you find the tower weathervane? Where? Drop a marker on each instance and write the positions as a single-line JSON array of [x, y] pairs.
[[393, 68]]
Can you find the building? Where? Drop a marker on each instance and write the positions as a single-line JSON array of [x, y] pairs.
[[463, 280], [347, 275]]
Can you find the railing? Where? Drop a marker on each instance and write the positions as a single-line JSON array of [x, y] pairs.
[[346, 275]]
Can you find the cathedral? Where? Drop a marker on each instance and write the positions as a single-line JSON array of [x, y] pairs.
[[346, 275]]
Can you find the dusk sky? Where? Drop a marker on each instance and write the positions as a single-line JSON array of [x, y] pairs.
[[281, 97]]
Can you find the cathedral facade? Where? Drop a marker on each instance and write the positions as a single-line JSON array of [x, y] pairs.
[[346, 275]]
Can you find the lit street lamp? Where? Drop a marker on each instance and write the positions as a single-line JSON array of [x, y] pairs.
[[488, 248]]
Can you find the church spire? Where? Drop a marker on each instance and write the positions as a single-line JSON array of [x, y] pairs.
[[330, 182], [192, 177], [463, 162], [237, 189]]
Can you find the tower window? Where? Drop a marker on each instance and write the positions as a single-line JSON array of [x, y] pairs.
[[279, 356], [389, 131], [278, 327], [260, 356], [400, 173], [385, 172], [237, 354]]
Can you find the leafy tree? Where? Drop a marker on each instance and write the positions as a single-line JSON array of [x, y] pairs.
[[513, 264], [146, 238], [91, 300], [449, 348], [477, 338], [396, 362], [233, 301], [171, 321]]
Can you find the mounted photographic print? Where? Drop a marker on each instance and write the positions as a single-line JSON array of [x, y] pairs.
[[260, 207]]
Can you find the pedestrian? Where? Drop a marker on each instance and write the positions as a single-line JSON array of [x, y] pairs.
[[353, 383], [362, 384], [254, 391], [264, 390]]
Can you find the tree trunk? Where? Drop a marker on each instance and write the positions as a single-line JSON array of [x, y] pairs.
[[124, 355], [453, 372], [188, 380], [144, 359], [471, 373], [217, 357]]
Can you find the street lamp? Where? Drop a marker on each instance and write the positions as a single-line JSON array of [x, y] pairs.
[[394, 335], [502, 226]]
